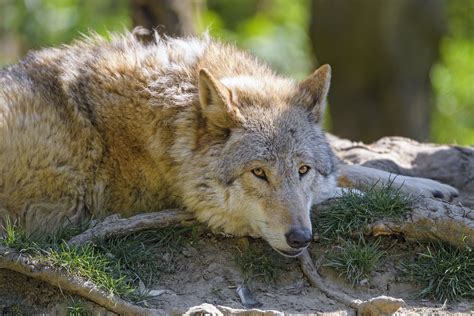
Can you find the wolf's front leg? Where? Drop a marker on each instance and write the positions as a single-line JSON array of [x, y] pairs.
[[359, 176]]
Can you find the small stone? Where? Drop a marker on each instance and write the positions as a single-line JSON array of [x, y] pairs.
[[246, 297], [154, 293]]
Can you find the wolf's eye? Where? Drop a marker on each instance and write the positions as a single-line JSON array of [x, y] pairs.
[[259, 173], [303, 170]]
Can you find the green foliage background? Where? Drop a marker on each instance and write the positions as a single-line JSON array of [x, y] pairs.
[[274, 30], [453, 78]]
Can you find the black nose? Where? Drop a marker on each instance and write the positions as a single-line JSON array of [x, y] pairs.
[[298, 237]]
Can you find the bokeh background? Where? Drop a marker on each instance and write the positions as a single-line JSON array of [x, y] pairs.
[[400, 67]]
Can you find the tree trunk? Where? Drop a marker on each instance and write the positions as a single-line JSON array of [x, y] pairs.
[[170, 17], [381, 53]]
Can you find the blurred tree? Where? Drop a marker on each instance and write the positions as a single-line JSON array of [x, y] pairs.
[[273, 30], [175, 18], [32, 24], [381, 53]]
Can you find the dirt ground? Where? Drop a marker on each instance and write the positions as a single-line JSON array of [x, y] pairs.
[[207, 273], [21, 295]]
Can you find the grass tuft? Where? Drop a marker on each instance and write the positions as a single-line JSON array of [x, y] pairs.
[[260, 263], [89, 263], [64, 233], [355, 260], [14, 237], [145, 254], [77, 308], [352, 212], [444, 272]]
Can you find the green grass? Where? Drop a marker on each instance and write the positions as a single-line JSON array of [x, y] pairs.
[[89, 263], [261, 263], [444, 272], [116, 265], [65, 233], [14, 237], [77, 308], [85, 261], [355, 260], [352, 212]]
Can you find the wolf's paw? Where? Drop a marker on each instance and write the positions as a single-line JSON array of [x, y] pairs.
[[425, 187]]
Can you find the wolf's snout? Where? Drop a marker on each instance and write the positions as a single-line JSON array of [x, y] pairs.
[[298, 237]]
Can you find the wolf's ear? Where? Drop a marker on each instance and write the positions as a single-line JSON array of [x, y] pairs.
[[216, 101], [316, 86]]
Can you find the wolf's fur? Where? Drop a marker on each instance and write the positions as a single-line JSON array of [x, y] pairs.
[[122, 126]]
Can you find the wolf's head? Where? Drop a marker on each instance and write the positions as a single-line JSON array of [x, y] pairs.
[[275, 161]]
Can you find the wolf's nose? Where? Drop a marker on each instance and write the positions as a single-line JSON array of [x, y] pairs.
[[298, 237]]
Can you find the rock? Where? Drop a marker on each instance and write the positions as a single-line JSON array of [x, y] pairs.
[[209, 309], [381, 305]]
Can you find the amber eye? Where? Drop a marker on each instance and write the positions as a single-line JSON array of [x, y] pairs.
[[258, 172], [303, 170]]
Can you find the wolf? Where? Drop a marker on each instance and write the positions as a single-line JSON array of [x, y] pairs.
[[123, 125]]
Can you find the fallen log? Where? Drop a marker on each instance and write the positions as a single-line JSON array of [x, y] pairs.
[[114, 225], [430, 220]]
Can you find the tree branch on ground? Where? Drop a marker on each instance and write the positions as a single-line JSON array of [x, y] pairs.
[[117, 226]]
